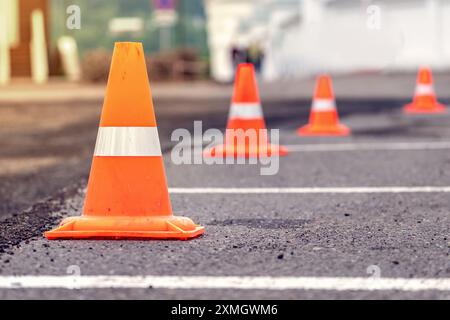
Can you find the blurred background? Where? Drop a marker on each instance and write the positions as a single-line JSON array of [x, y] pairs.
[[197, 39], [78, 36]]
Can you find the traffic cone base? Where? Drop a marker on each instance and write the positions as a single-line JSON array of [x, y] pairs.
[[316, 130], [144, 227], [424, 109], [237, 151], [244, 124]]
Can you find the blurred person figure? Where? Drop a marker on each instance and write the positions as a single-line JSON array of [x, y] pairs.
[[255, 55], [238, 55]]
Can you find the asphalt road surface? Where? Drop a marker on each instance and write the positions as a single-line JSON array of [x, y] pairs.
[[332, 218]]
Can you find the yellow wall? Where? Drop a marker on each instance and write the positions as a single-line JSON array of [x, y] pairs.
[[12, 14]]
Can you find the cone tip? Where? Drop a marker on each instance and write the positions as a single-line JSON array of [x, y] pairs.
[[127, 46], [245, 66], [324, 87], [425, 75], [324, 76], [245, 85]]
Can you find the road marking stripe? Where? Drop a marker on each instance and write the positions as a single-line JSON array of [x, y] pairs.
[[350, 190], [436, 145], [211, 282], [127, 142]]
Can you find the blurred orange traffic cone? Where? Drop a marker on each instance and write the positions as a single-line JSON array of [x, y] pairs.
[[324, 118], [127, 195], [246, 134], [425, 100]]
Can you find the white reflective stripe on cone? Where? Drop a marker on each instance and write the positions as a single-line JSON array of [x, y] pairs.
[[127, 142], [323, 105], [424, 89], [245, 111]]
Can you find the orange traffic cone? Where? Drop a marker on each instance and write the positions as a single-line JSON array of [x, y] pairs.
[[324, 118], [246, 134], [425, 100], [127, 195]]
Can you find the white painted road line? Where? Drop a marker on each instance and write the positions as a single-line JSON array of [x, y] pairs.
[[350, 190], [210, 282], [399, 146]]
